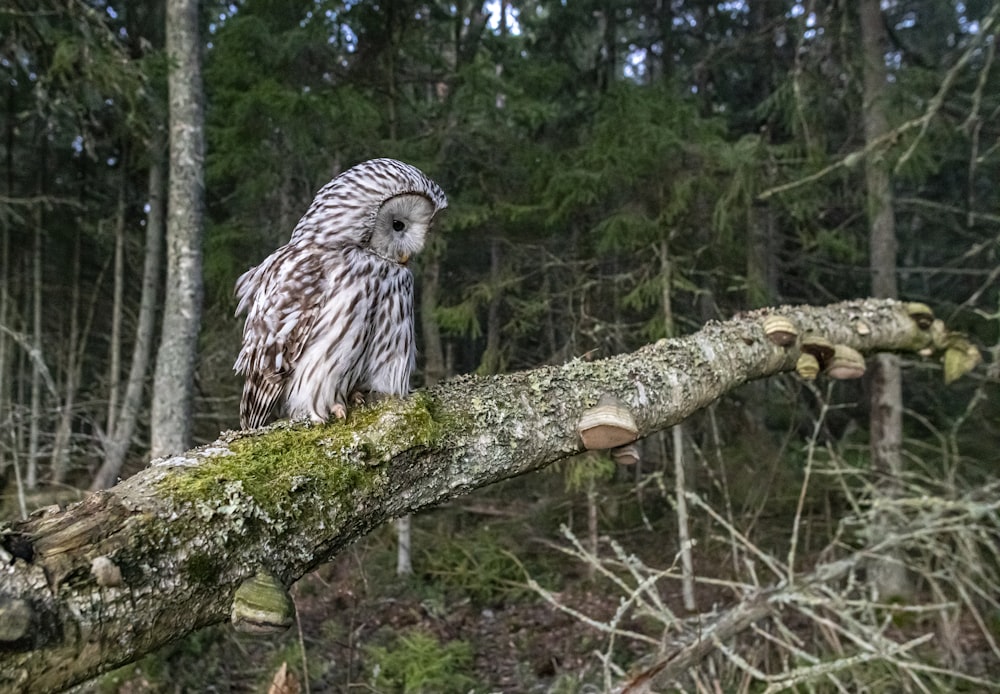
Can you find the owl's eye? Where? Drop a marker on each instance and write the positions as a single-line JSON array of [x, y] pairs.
[[398, 225]]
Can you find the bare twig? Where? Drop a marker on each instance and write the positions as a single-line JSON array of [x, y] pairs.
[[941, 535]]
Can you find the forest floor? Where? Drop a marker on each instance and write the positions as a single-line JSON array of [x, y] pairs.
[[464, 621], [467, 620], [526, 646]]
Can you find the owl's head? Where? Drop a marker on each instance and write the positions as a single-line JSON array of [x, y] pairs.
[[381, 204], [401, 225]]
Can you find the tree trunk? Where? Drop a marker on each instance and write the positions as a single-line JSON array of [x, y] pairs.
[[64, 429], [666, 280], [683, 532], [886, 414], [161, 554], [593, 535], [173, 385], [491, 362], [118, 444], [117, 301], [404, 545], [35, 425], [607, 59], [430, 291], [762, 271], [6, 390]]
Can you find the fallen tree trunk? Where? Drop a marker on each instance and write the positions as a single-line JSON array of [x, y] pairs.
[[163, 553]]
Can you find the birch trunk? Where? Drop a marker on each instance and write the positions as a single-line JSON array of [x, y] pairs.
[[117, 301], [173, 384], [683, 532]]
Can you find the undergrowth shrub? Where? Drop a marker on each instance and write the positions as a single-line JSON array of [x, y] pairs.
[[417, 663], [479, 568]]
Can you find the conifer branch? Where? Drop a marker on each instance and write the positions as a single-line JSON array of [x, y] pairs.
[[890, 138]]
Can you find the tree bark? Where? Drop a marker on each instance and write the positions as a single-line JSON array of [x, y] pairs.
[[161, 554], [677, 432], [6, 392], [762, 257], [173, 384], [71, 377], [430, 286], [492, 362], [886, 410], [683, 528], [35, 425], [117, 309]]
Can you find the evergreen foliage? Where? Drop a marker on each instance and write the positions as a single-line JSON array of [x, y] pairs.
[[418, 664], [617, 172]]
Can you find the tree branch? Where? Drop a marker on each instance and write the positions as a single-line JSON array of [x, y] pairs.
[[128, 569]]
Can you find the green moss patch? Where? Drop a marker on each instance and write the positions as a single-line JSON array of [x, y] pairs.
[[270, 467], [278, 467]]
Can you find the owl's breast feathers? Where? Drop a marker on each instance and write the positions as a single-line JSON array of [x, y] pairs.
[[319, 325], [325, 314]]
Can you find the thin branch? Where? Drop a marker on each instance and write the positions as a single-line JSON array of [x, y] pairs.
[[35, 354], [946, 84], [922, 122]]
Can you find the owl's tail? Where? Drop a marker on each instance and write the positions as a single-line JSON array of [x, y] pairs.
[[259, 397]]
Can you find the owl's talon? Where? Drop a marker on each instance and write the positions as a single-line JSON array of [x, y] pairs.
[[357, 398], [339, 411]]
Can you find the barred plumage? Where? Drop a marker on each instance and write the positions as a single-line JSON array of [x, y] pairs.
[[330, 313]]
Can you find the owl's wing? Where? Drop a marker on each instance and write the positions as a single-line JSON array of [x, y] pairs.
[[281, 297]]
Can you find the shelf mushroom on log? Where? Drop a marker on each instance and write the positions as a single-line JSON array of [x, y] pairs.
[[610, 425], [262, 605]]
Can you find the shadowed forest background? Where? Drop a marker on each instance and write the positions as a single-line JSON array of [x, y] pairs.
[[617, 172]]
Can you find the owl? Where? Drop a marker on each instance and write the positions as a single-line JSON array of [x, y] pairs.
[[329, 315]]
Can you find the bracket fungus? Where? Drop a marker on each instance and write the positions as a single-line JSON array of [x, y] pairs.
[[262, 605], [807, 366], [626, 455], [836, 361], [609, 424], [846, 363], [819, 347], [922, 314], [780, 330]]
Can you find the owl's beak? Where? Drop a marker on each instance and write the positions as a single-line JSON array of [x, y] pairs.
[[404, 259]]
